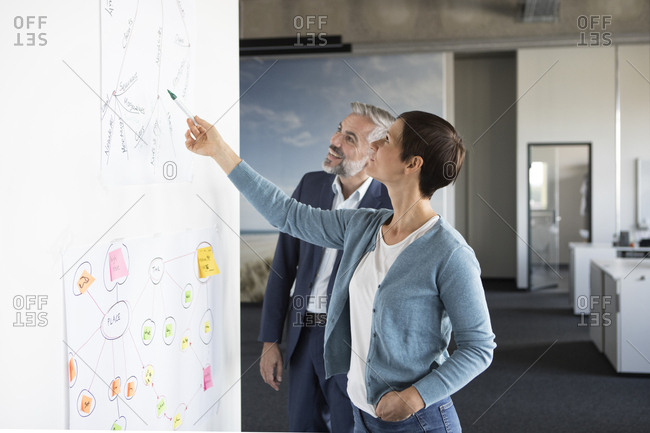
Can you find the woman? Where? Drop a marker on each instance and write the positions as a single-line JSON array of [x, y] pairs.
[[406, 278]]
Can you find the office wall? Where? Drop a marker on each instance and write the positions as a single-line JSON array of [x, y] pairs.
[[634, 70], [569, 95], [485, 206], [52, 198]]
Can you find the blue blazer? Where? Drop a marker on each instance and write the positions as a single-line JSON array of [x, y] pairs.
[[298, 261]]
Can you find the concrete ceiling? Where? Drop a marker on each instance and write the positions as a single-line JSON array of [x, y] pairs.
[[373, 25]]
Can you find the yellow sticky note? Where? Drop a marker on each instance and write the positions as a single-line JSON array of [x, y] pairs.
[[184, 343], [177, 421], [207, 265], [148, 375], [207, 327], [85, 280]]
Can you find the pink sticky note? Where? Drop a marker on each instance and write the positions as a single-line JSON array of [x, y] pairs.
[[207, 378], [117, 265]]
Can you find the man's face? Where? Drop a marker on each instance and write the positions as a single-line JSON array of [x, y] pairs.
[[348, 152]]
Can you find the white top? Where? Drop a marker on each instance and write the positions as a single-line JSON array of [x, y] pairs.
[[317, 302], [364, 284]]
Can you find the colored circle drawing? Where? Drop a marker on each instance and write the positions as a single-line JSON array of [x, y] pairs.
[[85, 403], [119, 424], [80, 281], [156, 270], [148, 331]]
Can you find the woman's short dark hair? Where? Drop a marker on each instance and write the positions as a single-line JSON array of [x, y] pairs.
[[438, 144]]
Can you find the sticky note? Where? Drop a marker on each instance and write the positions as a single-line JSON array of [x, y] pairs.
[[207, 378], [130, 389], [206, 326], [177, 421], [72, 369], [86, 403], [188, 296], [147, 333], [148, 375], [161, 406], [207, 265], [115, 387], [116, 426], [85, 281], [185, 343], [117, 265], [169, 330]]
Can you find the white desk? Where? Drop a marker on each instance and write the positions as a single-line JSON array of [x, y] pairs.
[[581, 255], [619, 319]]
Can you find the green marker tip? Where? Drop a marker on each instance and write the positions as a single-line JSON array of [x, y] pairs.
[[171, 94]]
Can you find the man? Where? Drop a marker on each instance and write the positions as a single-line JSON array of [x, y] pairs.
[[316, 403]]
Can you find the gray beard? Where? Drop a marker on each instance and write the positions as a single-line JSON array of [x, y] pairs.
[[345, 168]]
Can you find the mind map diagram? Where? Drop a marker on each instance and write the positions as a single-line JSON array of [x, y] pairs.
[[143, 328]]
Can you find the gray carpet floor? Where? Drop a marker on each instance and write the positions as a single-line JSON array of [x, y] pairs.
[[546, 375]]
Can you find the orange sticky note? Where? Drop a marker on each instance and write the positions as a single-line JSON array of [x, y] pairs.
[[207, 265], [72, 369], [130, 389], [115, 386], [86, 403], [85, 281]]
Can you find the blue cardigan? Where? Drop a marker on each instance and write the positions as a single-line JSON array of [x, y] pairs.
[[434, 286]]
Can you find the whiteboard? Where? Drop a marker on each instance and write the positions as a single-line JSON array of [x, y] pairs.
[[144, 333], [146, 49]]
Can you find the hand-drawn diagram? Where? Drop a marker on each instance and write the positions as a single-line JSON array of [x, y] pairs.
[[146, 49], [144, 328]]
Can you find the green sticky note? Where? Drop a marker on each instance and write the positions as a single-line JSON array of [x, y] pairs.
[[168, 330], [188, 296], [116, 426], [147, 333], [161, 407]]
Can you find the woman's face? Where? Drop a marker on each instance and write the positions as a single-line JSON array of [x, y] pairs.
[[384, 162]]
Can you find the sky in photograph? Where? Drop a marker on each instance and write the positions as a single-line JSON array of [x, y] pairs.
[[290, 109]]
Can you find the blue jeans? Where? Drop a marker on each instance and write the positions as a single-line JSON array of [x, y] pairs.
[[440, 417]]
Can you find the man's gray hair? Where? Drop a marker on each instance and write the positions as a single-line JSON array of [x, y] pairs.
[[380, 117]]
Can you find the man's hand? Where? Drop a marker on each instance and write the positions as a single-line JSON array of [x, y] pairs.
[[397, 406], [271, 365]]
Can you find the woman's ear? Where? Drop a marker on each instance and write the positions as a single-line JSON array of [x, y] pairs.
[[415, 162]]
